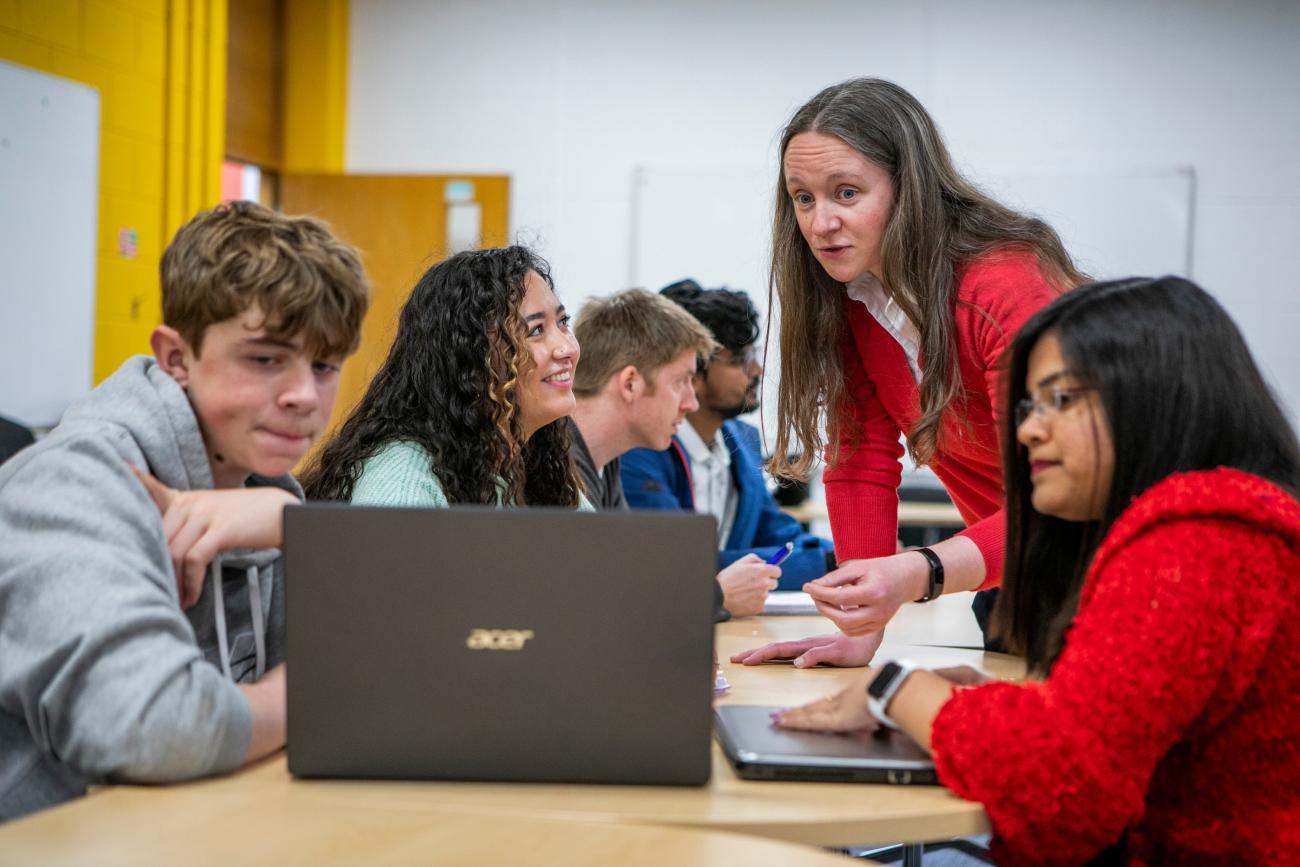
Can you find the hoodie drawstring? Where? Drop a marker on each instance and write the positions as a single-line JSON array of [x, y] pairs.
[[259, 626], [219, 599], [255, 610]]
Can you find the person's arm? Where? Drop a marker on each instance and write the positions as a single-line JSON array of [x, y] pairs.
[[99, 661], [745, 585], [199, 525], [267, 705], [654, 480], [1063, 766], [862, 483], [862, 596], [996, 296]]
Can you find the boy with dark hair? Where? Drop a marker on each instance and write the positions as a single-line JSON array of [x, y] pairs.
[[119, 660], [714, 463]]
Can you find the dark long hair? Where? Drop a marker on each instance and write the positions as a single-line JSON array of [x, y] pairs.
[[450, 384], [939, 223], [1180, 392]]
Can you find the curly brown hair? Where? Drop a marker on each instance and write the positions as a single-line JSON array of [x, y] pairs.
[[450, 385]]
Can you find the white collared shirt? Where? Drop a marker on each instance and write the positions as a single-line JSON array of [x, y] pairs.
[[869, 291], [714, 489]]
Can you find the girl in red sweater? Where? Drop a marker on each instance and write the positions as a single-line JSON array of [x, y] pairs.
[[900, 285], [1152, 547]]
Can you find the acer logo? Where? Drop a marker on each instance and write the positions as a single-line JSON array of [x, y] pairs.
[[498, 639]]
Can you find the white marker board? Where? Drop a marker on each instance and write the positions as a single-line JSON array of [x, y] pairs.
[[49, 173]]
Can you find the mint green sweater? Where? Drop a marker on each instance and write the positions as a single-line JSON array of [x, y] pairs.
[[398, 475]]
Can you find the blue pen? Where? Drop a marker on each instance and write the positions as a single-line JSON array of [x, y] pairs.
[[779, 556]]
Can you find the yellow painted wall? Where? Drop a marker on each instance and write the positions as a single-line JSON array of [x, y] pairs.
[[315, 86], [159, 66]]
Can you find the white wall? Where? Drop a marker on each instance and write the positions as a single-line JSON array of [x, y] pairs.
[[568, 96]]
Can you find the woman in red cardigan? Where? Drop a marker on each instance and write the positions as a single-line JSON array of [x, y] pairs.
[[1152, 547], [900, 285]]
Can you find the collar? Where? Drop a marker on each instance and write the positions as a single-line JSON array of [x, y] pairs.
[[698, 449]]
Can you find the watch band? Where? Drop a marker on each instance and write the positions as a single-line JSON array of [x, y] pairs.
[[936, 574], [884, 685]]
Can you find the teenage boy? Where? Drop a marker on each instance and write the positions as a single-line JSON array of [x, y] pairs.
[[714, 464], [634, 387], [118, 660]]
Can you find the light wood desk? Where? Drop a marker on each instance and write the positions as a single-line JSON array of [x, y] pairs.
[[345, 817], [207, 824]]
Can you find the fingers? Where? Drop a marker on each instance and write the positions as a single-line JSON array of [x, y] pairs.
[[161, 495], [855, 621], [963, 675], [843, 712], [837, 578], [780, 650], [843, 652]]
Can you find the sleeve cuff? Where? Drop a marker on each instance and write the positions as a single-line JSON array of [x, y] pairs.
[[863, 526], [990, 536]]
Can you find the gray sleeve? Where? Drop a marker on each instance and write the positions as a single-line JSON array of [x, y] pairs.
[[95, 654]]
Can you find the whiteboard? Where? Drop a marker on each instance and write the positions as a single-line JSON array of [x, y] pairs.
[[49, 171], [1133, 223]]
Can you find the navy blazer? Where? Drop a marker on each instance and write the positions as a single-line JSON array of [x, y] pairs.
[[662, 480]]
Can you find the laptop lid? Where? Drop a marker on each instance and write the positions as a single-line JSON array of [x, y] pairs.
[[487, 644], [761, 751]]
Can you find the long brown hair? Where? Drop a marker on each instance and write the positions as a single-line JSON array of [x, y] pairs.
[[939, 222]]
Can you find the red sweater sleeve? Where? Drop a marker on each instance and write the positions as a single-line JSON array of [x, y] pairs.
[[862, 486], [1063, 766], [996, 296]]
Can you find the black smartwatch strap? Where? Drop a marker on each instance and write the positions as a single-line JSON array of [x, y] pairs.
[[936, 574]]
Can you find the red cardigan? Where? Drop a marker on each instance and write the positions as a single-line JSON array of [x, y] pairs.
[[995, 295], [1172, 717]]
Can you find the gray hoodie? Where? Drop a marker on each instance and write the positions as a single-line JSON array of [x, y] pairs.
[[102, 675]]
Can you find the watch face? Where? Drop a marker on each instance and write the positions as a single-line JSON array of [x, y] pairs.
[[881, 681]]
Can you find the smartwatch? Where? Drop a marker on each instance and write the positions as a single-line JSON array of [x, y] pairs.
[[935, 589], [883, 686]]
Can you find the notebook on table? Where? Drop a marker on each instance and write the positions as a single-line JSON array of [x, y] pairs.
[[512, 645], [760, 751]]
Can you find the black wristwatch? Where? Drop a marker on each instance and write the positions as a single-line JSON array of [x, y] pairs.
[[936, 574], [883, 686]]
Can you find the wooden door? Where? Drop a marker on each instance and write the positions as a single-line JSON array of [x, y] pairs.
[[399, 223]]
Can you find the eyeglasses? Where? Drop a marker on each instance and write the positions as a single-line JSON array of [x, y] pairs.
[[1058, 400]]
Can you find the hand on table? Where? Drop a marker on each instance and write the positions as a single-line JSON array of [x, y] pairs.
[[963, 675], [836, 649], [746, 583], [844, 711], [861, 596], [199, 525]]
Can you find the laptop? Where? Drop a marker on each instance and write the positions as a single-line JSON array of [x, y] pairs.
[[515, 645], [761, 751]]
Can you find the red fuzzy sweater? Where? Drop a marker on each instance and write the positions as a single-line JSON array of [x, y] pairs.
[[995, 295], [1172, 717]]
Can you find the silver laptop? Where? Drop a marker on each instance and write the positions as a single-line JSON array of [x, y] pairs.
[[482, 644], [761, 751]]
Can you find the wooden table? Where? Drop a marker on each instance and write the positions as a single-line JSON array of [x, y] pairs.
[[221, 825], [248, 813]]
